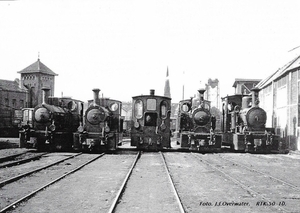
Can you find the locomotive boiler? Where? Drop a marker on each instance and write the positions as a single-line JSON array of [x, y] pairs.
[[196, 125], [102, 127], [243, 125], [150, 125], [53, 123]]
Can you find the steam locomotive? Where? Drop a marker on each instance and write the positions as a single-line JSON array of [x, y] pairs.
[[196, 125], [53, 123], [102, 127], [150, 125], [243, 125]]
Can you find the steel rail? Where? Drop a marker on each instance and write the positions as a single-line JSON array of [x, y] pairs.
[[22, 161], [122, 188], [6, 158], [181, 208], [262, 173], [12, 205], [33, 171], [236, 181]]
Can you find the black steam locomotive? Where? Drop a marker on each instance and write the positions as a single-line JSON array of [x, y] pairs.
[[196, 125], [243, 125], [150, 125], [102, 127], [53, 123]]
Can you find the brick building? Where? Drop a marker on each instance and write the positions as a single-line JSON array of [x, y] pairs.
[[12, 100], [34, 78], [11, 95]]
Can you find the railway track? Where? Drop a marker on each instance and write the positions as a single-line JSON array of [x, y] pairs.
[[10, 157], [181, 208], [123, 185], [11, 183], [151, 182], [261, 173], [20, 159], [269, 191], [160, 194], [17, 177]]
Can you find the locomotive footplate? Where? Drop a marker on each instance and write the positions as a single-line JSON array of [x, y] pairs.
[[47, 140], [257, 143], [200, 142], [94, 141], [149, 139]]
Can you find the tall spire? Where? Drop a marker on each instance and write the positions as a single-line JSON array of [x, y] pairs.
[[167, 91]]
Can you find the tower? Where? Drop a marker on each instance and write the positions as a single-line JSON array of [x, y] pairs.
[[34, 78], [213, 93], [167, 92]]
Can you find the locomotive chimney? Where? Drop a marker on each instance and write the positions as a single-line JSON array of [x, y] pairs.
[[201, 94], [96, 95], [152, 91], [255, 100], [45, 95]]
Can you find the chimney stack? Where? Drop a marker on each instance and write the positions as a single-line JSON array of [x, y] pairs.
[[152, 91], [45, 95], [96, 95], [255, 100], [201, 92]]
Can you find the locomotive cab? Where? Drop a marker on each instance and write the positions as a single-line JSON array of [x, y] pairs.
[[150, 129]]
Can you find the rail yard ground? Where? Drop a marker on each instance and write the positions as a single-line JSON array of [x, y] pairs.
[[132, 181]]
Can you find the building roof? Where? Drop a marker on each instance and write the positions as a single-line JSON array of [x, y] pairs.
[[127, 106], [244, 80], [37, 67], [10, 85], [293, 64]]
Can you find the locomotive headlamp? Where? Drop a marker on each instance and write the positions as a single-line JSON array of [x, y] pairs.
[[80, 129], [163, 126], [114, 107], [136, 124], [52, 127], [107, 129]]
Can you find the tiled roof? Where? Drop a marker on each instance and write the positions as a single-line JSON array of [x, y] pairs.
[[38, 66], [295, 63], [10, 85]]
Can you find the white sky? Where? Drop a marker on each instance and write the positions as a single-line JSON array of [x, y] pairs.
[[124, 47]]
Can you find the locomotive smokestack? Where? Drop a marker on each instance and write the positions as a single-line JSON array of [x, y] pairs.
[[45, 95], [152, 91], [201, 94], [255, 100], [96, 95]]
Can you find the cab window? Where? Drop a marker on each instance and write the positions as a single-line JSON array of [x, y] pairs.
[[138, 109], [163, 110], [151, 104]]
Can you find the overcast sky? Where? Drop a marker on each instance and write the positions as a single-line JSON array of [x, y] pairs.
[[124, 47]]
